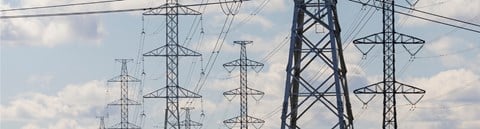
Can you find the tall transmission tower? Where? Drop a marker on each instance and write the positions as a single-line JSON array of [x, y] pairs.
[[244, 119], [188, 123], [310, 49], [124, 101], [389, 87], [172, 51]]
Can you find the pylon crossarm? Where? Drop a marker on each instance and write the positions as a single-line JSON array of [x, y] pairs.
[[230, 66], [118, 102], [370, 89], [183, 10], [156, 94], [237, 62], [182, 51], [120, 78], [249, 91], [182, 93], [377, 38], [407, 39], [238, 119], [129, 126], [407, 89]]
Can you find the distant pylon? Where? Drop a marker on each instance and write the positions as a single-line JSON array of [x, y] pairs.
[[316, 52], [244, 119], [102, 122], [389, 87], [188, 123], [124, 101]]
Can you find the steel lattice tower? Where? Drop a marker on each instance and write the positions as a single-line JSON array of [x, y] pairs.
[[389, 87], [244, 119], [188, 123], [309, 50], [102, 122], [172, 51], [124, 101]]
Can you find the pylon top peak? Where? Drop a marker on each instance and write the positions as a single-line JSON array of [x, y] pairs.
[[243, 42]]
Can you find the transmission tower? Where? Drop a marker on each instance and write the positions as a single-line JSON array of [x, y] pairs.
[[310, 49], [124, 101], [102, 122], [389, 87], [188, 123], [244, 119], [172, 51]]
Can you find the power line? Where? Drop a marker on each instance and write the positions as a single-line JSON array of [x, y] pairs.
[[107, 11], [74, 13], [453, 19], [61, 5], [423, 18]]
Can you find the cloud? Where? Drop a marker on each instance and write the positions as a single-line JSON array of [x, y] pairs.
[[450, 101], [450, 51], [40, 80], [71, 107], [459, 9], [49, 31], [63, 124]]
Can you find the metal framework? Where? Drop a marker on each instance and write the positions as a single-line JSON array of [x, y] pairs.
[[188, 123], [172, 51], [124, 101], [389, 87], [310, 49], [244, 91], [102, 122]]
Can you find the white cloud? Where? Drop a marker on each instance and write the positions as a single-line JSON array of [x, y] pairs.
[[449, 50], [450, 101], [251, 20], [465, 10], [40, 80], [49, 31], [71, 107]]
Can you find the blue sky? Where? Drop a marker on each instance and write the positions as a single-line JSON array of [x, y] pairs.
[[54, 69]]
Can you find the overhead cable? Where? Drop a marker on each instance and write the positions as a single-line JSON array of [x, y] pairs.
[[106, 11], [453, 19], [423, 18], [61, 5]]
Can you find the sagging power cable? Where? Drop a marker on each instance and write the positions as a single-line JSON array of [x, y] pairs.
[[60, 5], [426, 19], [105, 11]]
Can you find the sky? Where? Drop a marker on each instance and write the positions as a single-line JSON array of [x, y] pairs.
[[54, 70]]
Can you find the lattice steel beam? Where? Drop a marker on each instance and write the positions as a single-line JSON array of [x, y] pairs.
[[310, 49]]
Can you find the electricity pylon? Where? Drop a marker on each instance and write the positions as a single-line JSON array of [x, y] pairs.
[[124, 101], [389, 87], [244, 91], [102, 122], [310, 49], [172, 51], [188, 123]]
